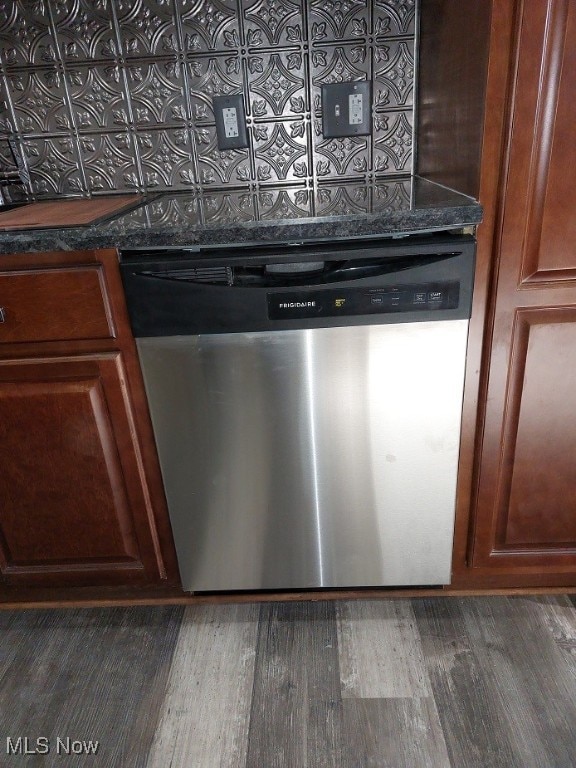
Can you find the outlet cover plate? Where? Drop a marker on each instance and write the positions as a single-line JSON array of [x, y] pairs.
[[346, 109], [230, 117]]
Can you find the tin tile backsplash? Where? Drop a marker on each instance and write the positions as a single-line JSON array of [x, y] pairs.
[[116, 95]]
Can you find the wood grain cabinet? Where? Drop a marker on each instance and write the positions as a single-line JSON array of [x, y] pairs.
[[81, 501], [524, 516]]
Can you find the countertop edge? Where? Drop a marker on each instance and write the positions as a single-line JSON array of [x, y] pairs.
[[110, 235]]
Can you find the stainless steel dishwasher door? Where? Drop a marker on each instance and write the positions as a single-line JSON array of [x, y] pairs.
[[310, 458]]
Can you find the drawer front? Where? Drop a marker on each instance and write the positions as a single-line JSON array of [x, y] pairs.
[[58, 304]]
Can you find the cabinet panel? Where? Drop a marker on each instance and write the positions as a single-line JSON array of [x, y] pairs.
[[543, 146], [54, 304], [555, 195], [525, 510], [537, 499], [74, 509]]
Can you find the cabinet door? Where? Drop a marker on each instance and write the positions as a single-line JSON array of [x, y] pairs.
[[73, 504], [525, 517]]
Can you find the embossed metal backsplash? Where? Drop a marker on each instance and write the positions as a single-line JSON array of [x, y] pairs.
[[115, 95]]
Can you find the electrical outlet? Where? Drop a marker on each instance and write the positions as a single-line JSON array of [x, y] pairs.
[[230, 119], [346, 109]]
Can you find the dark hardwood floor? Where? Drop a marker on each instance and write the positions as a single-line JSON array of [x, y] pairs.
[[477, 682]]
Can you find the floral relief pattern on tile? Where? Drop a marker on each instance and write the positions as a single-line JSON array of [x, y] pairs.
[[228, 206], [39, 101], [338, 19], [278, 204], [147, 28], [25, 36], [393, 75], [218, 167], [156, 92], [340, 200], [209, 25], [97, 96], [279, 155], [54, 165], [391, 198], [393, 142], [277, 84], [345, 156], [165, 158], [109, 161], [394, 17], [343, 63], [172, 210], [273, 22], [215, 76], [86, 32]]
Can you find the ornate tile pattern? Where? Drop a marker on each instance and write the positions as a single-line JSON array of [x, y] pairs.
[[114, 95]]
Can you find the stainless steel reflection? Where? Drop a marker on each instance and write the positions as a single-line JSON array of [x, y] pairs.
[[310, 458]]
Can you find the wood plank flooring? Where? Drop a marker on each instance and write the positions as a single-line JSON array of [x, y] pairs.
[[84, 675], [479, 682], [206, 709]]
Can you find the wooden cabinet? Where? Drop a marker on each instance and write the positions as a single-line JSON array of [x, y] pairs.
[[81, 501], [524, 513]]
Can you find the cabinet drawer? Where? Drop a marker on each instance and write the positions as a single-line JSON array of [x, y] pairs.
[[54, 304]]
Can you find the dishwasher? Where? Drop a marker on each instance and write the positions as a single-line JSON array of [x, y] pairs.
[[306, 404]]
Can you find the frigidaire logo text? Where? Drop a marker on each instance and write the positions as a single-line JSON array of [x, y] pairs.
[[296, 304]]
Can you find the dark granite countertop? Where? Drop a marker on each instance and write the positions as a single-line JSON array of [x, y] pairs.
[[388, 207]]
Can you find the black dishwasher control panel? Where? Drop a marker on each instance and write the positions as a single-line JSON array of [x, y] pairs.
[[350, 302], [383, 283]]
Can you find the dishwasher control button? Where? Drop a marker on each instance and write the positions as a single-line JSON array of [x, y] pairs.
[[377, 300], [435, 296], [419, 297]]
